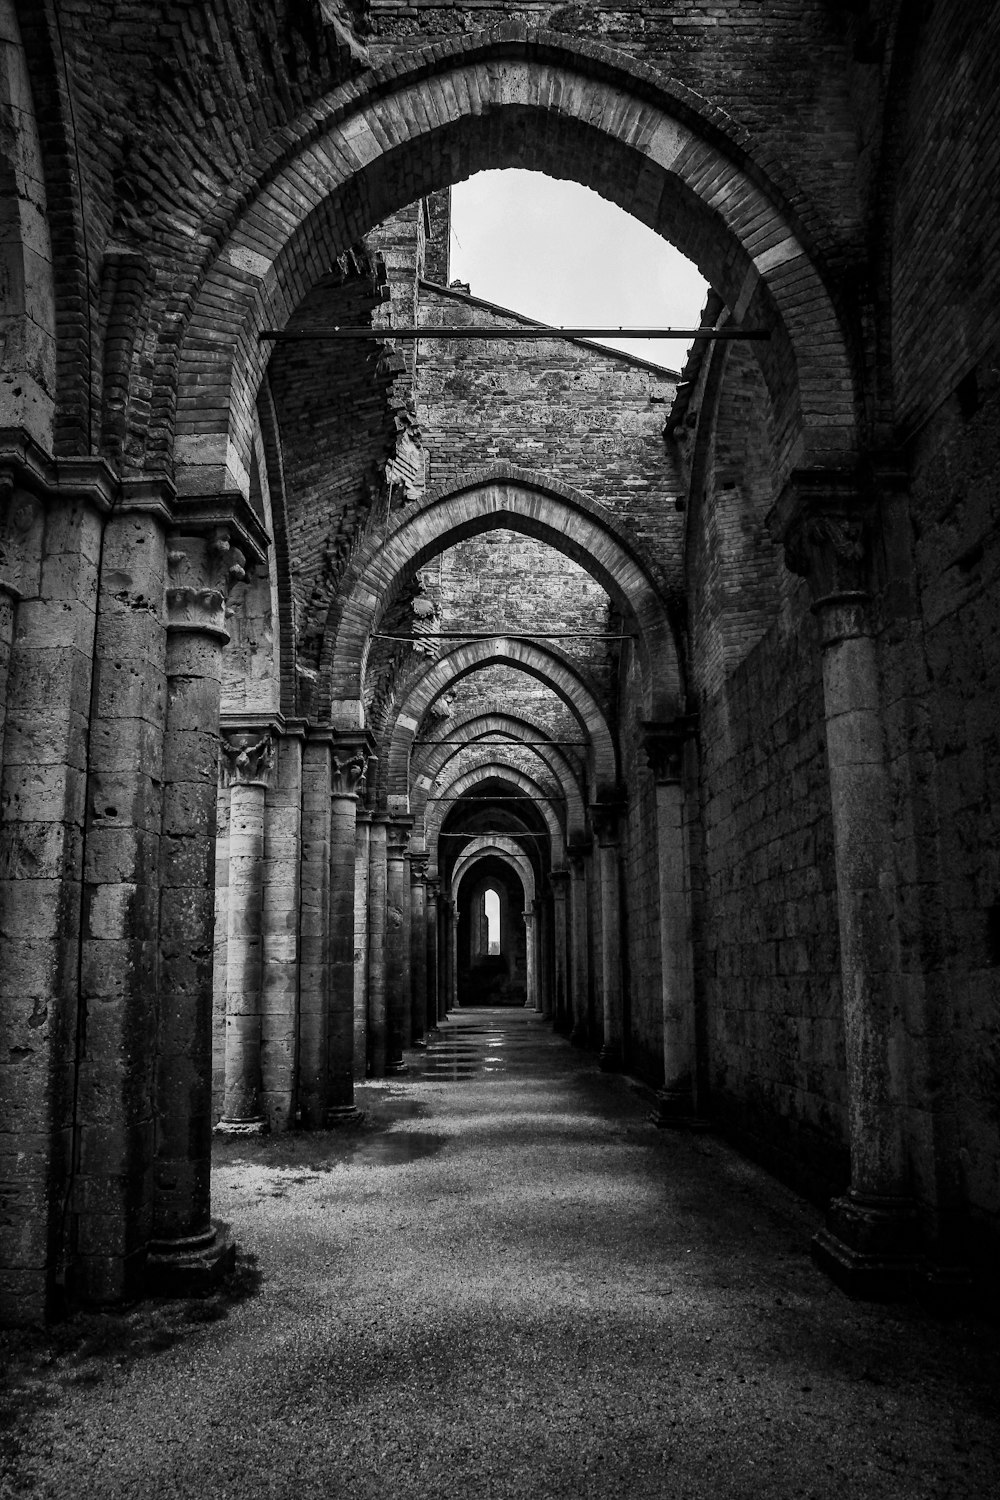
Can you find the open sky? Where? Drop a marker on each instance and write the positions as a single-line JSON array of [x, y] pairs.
[[558, 252]]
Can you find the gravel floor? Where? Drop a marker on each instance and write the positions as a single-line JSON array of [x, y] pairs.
[[506, 1283]]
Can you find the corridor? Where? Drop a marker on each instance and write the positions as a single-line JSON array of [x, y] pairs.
[[507, 1282]]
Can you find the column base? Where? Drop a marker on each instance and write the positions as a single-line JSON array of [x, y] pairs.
[[256, 1126], [610, 1058], [191, 1266], [871, 1247], [676, 1112], [396, 1067], [343, 1114]]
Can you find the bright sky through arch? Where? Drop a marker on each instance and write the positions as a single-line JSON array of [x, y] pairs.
[[558, 252]]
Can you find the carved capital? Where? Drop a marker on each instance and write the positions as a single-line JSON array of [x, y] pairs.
[[577, 853], [605, 818], [823, 521], [347, 774], [201, 570], [246, 761], [663, 743], [559, 881], [397, 836], [418, 867]]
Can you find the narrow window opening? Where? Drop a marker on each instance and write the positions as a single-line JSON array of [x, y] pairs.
[[491, 907]]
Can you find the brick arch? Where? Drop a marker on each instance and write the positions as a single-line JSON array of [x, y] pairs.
[[512, 499], [492, 771], [516, 98], [517, 731], [500, 847], [27, 299], [543, 663]]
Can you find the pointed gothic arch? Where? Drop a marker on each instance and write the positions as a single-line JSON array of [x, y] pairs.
[[543, 663], [514, 97]]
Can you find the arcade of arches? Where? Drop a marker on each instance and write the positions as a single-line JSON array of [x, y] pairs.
[[346, 681]]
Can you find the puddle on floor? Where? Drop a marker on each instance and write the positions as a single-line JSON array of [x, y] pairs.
[[393, 1150]]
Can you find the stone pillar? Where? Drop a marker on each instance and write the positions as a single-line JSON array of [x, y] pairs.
[[115, 1090], [452, 955], [606, 817], [248, 766], [362, 857], [378, 1020], [871, 1242], [280, 988], [543, 938], [418, 946], [579, 971], [187, 1249], [397, 924], [348, 769], [433, 886], [314, 930], [559, 881], [49, 564], [530, 965], [446, 958], [678, 1099]]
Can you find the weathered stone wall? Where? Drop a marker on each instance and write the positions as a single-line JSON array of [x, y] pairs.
[[767, 955], [941, 681]]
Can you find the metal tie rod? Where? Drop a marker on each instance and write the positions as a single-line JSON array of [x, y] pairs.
[[467, 331]]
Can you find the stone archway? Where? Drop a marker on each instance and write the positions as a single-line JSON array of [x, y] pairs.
[[514, 97], [545, 664], [502, 498]]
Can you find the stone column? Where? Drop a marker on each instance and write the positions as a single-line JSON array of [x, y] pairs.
[[314, 930], [280, 988], [543, 937], [418, 946], [378, 1020], [42, 812], [432, 887], [559, 881], [248, 765], [348, 769], [579, 972], [678, 1099], [397, 923], [871, 1242], [453, 955], [446, 957], [606, 817], [362, 857], [530, 966], [187, 1249]]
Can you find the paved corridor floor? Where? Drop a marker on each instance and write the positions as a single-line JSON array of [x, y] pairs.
[[507, 1283]]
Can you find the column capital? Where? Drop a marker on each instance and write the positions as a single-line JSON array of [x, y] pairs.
[[419, 860], [559, 880], [247, 758], [577, 852], [397, 833], [202, 567], [822, 518], [347, 772], [606, 819], [663, 743]]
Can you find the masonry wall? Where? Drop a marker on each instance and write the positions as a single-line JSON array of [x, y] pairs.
[[767, 952], [941, 687]]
